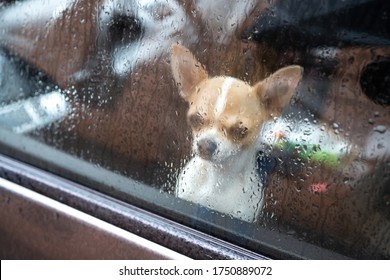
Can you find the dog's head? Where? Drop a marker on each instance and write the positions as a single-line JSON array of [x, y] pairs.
[[226, 114]]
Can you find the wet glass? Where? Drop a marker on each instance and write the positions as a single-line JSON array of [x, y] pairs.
[[92, 82]]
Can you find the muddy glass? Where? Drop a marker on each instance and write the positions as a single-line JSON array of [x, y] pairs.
[[263, 123]]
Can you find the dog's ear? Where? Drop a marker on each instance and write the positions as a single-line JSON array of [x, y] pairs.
[[187, 70], [275, 92]]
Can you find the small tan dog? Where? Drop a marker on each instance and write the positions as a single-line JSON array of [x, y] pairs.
[[226, 116]]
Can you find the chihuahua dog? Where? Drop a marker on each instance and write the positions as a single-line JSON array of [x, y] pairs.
[[226, 116]]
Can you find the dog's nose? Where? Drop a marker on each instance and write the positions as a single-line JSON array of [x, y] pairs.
[[206, 148]]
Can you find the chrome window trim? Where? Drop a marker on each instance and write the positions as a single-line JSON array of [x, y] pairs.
[[34, 226]]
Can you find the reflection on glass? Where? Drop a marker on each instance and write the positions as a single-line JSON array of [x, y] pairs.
[[33, 113]]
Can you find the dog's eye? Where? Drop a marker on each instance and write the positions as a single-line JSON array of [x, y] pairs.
[[195, 120], [239, 131]]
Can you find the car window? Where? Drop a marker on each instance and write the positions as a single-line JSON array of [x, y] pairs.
[[262, 123]]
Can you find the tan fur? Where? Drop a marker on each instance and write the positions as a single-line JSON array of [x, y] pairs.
[[246, 106]]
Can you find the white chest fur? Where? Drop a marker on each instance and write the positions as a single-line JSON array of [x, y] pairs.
[[226, 188]]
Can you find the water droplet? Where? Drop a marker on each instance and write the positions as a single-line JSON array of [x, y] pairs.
[[291, 232], [380, 128]]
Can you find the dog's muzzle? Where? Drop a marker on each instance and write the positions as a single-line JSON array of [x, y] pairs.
[[206, 148]]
